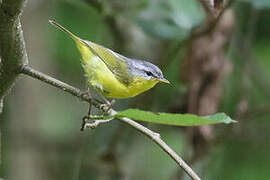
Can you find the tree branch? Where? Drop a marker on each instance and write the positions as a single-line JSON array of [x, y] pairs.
[[12, 8], [12, 47], [96, 123], [13, 61], [54, 82], [78, 93]]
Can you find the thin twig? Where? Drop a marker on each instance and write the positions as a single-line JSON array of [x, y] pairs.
[[213, 21], [84, 119], [208, 7], [96, 123], [76, 92]]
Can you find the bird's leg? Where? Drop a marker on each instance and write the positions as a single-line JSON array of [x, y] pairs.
[[86, 94], [107, 105], [96, 119]]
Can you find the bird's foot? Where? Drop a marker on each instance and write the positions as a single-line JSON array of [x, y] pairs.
[[86, 95], [107, 106]]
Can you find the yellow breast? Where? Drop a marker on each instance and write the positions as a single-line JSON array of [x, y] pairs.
[[101, 78]]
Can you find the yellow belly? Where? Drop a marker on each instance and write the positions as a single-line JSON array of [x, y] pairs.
[[101, 78], [138, 86]]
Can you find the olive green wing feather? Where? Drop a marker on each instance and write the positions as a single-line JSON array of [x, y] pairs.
[[114, 61]]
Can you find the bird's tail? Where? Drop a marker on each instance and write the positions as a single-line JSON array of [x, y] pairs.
[[82, 45], [78, 40]]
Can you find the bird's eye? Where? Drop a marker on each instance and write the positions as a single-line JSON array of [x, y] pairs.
[[148, 73]]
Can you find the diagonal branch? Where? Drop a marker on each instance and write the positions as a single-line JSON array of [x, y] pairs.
[[78, 93]]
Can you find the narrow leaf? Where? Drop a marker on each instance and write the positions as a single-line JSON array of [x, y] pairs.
[[175, 119]]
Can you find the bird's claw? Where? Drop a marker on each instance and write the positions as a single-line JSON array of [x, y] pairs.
[[86, 95], [107, 106]]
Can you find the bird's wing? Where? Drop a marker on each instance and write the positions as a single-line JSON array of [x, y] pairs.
[[114, 61]]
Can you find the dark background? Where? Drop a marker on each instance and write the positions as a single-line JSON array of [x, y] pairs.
[[223, 69]]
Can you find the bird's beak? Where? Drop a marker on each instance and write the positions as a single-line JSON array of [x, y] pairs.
[[164, 80]]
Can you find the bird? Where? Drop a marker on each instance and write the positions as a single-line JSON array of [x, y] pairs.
[[112, 74]]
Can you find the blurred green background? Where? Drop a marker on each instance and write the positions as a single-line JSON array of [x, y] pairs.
[[226, 69]]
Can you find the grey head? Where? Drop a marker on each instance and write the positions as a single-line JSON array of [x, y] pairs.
[[145, 69]]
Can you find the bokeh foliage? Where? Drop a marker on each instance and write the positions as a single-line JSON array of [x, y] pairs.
[[42, 134]]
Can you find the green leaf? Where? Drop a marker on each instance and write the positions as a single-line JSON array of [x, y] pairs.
[[172, 19], [175, 119]]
